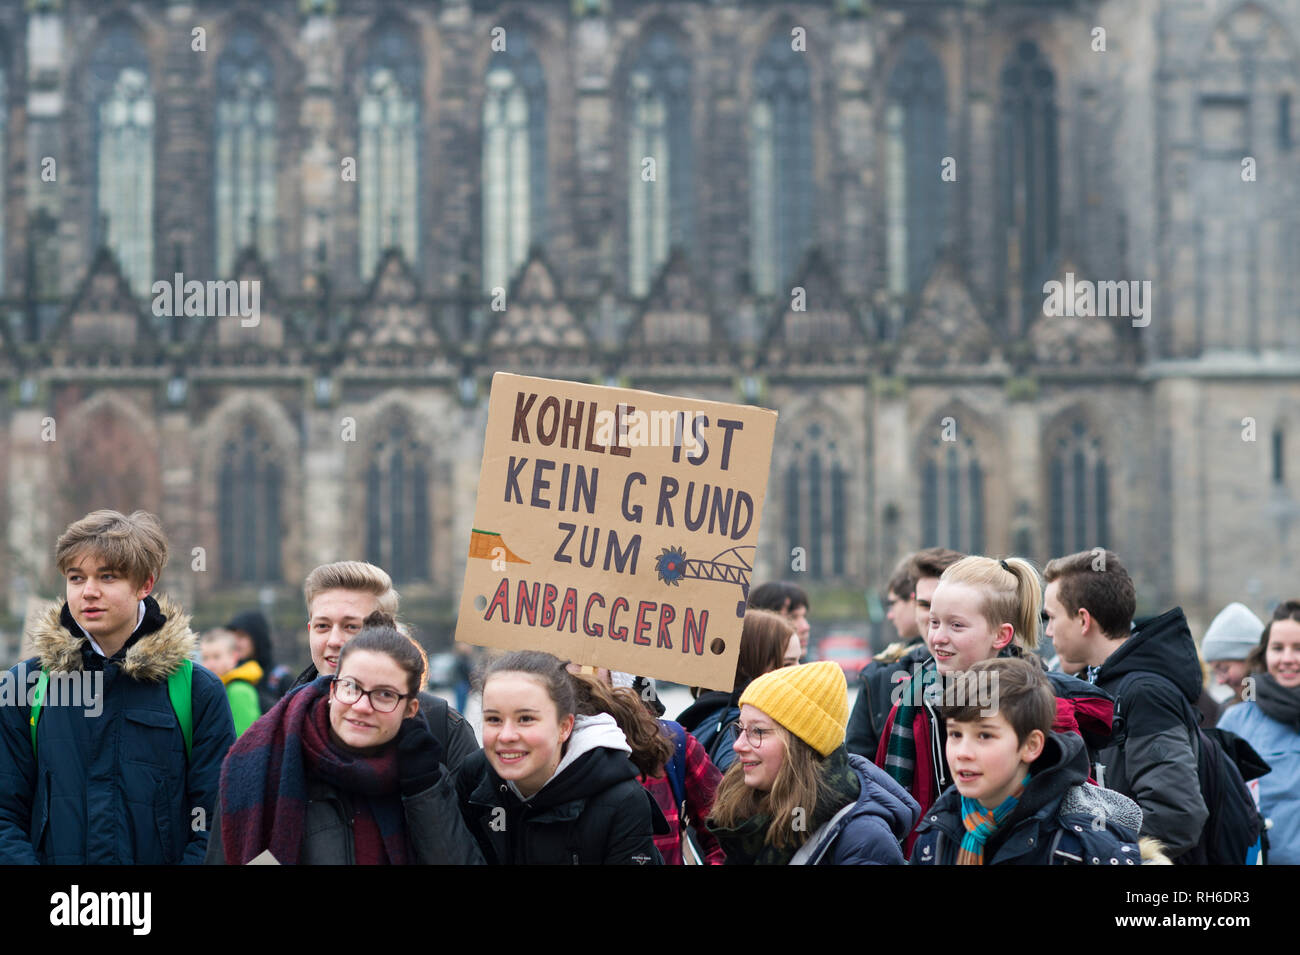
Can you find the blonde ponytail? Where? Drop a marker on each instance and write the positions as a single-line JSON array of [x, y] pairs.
[[1029, 601], [1011, 591]]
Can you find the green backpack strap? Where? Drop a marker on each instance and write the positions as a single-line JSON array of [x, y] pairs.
[[180, 689], [37, 699]]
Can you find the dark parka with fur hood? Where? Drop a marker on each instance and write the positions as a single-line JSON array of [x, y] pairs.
[[113, 787], [592, 811]]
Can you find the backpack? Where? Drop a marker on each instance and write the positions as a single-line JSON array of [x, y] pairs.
[[437, 715], [1224, 762], [1234, 824], [1084, 709], [675, 770], [710, 733], [179, 691]]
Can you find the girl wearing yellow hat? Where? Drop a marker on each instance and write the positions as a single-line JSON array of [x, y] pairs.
[[794, 795]]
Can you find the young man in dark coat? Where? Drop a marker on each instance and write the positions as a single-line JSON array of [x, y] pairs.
[[339, 597], [102, 777], [911, 587], [1154, 675]]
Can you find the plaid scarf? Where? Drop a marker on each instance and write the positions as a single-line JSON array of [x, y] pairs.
[[264, 785], [981, 822], [900, 752], [907, 738]]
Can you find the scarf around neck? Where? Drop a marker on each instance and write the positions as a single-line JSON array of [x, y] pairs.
[[901, 752], [264, 784], [747, 844], [1277, 701], [981, 823]]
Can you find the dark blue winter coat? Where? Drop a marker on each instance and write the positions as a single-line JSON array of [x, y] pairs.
[[110, 783], [871, 832], [1059, 820]]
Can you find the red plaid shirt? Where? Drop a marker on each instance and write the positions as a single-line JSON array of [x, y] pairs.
[[702, 779]]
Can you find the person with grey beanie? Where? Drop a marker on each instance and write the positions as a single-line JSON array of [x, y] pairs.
[[1232, 635]]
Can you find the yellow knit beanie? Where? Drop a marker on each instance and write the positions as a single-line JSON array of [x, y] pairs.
[[811, 701]]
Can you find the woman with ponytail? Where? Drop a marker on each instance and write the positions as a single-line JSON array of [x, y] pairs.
[[983, 608], [675, 770], [593, 696], [554, 784], [980, 608]]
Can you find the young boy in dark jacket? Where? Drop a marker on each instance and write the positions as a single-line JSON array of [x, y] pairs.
[[100, 773], [1019, 795]]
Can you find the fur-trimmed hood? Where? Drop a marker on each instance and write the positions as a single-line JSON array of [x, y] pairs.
[[161, 643], [1153, 852]]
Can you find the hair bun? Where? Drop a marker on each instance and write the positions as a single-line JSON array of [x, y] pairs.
[[379, 618]]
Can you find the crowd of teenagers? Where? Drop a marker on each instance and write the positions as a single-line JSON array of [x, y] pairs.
[[966, 745]]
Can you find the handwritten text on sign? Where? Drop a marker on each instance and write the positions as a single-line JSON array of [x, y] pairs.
[[616, 527]]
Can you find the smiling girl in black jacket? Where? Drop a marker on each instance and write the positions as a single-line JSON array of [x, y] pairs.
[[551, 786]]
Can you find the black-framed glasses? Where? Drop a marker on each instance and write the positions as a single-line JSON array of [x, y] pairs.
[[755, 734], [382, 700]]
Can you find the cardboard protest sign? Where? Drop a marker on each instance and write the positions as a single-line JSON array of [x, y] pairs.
[[616, 528]]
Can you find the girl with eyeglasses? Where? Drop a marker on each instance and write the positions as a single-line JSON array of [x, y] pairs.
[[766, 642], [340, 771], [794, 795]]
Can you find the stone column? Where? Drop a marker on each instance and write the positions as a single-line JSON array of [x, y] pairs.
[[895, 473], [32, 502], [320, 160], [1019, 504], [177, 461], [1179, 417]]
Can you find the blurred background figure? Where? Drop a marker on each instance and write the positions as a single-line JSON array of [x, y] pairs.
[[253, 640], [1233, 633], [790, 601], [463, 671], [219, 652]]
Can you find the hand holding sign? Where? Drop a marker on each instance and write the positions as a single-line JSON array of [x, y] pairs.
[[616, 528]]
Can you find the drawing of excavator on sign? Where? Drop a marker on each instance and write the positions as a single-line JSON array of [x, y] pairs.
[[731, 567]]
